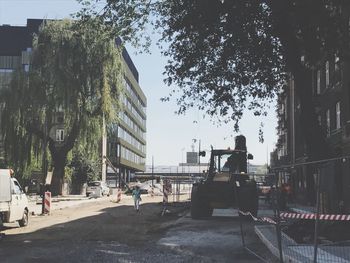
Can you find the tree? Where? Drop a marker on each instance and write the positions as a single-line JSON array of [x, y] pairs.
[[226, 56], [76, 69], [226, 51]]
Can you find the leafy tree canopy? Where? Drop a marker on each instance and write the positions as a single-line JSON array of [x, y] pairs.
[[225, 53]]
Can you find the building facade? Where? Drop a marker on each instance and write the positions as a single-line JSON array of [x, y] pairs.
[[331, 101], [126, 140], [15, 48]]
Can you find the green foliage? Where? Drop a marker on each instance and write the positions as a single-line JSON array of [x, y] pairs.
[[85, 167], [76, 69], [229, 55], [125, 19], [224, 55]]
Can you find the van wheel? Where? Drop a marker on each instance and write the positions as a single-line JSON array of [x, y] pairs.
[[24, 221]]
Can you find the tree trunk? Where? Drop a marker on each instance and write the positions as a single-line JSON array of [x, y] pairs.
[[59, 162], [59, 157], [317, 146]]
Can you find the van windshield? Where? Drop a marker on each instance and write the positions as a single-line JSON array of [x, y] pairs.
[[94, 184]]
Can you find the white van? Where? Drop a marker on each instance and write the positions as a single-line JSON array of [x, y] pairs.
[[13, 200]]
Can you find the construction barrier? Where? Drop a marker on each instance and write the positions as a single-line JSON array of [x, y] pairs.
[[166, 191], [119, 195], [116, 195], [291, 234], [313, 216], [323, 217], [47, 202], [258, 219], [152, 191]]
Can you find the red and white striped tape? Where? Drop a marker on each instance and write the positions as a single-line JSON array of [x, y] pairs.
[[313, 216], [258, 219], [47, 202], [298, 216]]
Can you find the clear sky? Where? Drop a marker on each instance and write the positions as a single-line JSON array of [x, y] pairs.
[[169, 136]]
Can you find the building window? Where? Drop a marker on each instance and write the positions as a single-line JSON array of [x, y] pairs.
[[328, 123], [337, 110], [59, 135], [336, 63], [6, 70], [337, 72], [318, 84], [327, 74]]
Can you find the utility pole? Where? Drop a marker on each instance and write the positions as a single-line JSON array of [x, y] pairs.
[[152, 170], [182, 160], [199, 157], [104, 148], [44, 165]]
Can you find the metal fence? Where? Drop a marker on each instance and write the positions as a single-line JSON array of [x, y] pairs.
[[176, 191], [303, 218]]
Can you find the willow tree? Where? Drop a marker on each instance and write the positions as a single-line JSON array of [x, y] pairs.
[[76, 73]]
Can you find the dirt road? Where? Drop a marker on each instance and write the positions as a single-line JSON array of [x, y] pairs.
[[103, 231]]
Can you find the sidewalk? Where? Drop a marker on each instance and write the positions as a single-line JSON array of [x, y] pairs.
[[302, 253], [61, 202], [302, 209]]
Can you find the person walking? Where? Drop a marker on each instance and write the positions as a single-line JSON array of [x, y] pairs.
[[136, 194]]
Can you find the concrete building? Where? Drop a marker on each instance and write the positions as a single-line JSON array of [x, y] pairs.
[[126, 143]]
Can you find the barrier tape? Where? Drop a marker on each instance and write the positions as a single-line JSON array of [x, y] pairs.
[[297, 216], [313, 216], [258, 219]]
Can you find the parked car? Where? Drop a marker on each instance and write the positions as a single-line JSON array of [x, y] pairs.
[[97, 189]]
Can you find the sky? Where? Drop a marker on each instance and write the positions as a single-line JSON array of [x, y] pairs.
[[169, 136]]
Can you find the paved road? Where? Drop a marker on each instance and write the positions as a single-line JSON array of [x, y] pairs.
[[102, 231]]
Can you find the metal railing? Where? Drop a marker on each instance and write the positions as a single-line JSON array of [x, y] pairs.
[[303, 217]]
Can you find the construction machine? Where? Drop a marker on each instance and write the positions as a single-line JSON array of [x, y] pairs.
[[226, 183]]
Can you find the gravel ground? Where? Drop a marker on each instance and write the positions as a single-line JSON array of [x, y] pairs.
[[102, 231]]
